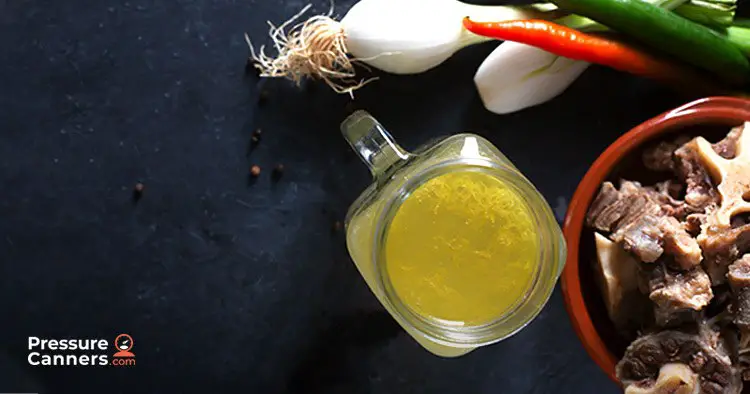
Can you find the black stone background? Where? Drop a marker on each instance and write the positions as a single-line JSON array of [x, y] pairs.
[[229, 286]]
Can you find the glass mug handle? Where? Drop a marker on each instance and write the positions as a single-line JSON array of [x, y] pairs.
[[373, 144]]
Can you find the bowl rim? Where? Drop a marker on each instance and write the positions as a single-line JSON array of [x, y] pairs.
[[710, 110]]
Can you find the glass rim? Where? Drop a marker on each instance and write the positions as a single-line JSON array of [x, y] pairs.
[[538, 290]]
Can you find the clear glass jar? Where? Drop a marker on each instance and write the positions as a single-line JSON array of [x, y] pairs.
[[397, 173]]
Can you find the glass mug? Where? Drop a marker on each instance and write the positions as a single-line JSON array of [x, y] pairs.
[[398, 176]]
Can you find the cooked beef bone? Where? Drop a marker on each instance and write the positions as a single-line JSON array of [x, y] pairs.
[[722, 239], [721, 247], [640, 220], [730, 175], [674, 378], [677, 296], [691, 167], [704, 353], [617, 276], [700, 191], [682, 157]]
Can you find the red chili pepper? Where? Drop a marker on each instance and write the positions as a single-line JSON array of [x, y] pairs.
[[573, 44]]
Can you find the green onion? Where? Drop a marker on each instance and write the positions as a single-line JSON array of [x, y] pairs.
[[669, 32], [739, 35], [585, 24], [711, 13]]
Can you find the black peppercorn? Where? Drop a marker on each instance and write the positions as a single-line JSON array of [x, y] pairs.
[[138, 192]]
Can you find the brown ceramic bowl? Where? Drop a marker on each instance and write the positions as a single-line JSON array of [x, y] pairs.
[[710, 117]]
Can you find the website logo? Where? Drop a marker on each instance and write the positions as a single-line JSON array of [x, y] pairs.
[[124, 357], [81, 352]]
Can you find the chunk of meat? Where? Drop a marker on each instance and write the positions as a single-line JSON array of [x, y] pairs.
[[603, 214], [643, 238], [744, 365], [670, 188], [727, 147], [721, 247], [679, 244], [651, 236], [739, 281], [703, 353], [660, 157], [665, 194], [639, 218], [694, 222], [599, 215], [674, 378], [639, 204], [668, 317], [676, 295], [613, 209], [700, 191], [691, 289]]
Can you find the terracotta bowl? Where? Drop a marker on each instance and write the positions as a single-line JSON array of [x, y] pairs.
[[710, 117]]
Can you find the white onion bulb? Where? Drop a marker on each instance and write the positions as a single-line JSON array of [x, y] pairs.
[[396, 36], [413, 36], [517, 76]]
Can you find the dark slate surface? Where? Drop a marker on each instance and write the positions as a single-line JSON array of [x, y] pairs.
[[228, 285]]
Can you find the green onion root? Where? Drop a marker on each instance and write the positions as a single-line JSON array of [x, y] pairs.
[[314, 48]]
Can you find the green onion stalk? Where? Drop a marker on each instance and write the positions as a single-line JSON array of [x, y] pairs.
[[739, 34], [718, 14], [711, 13]]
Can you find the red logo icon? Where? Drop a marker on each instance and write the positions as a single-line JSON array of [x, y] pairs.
[[124, 343]]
